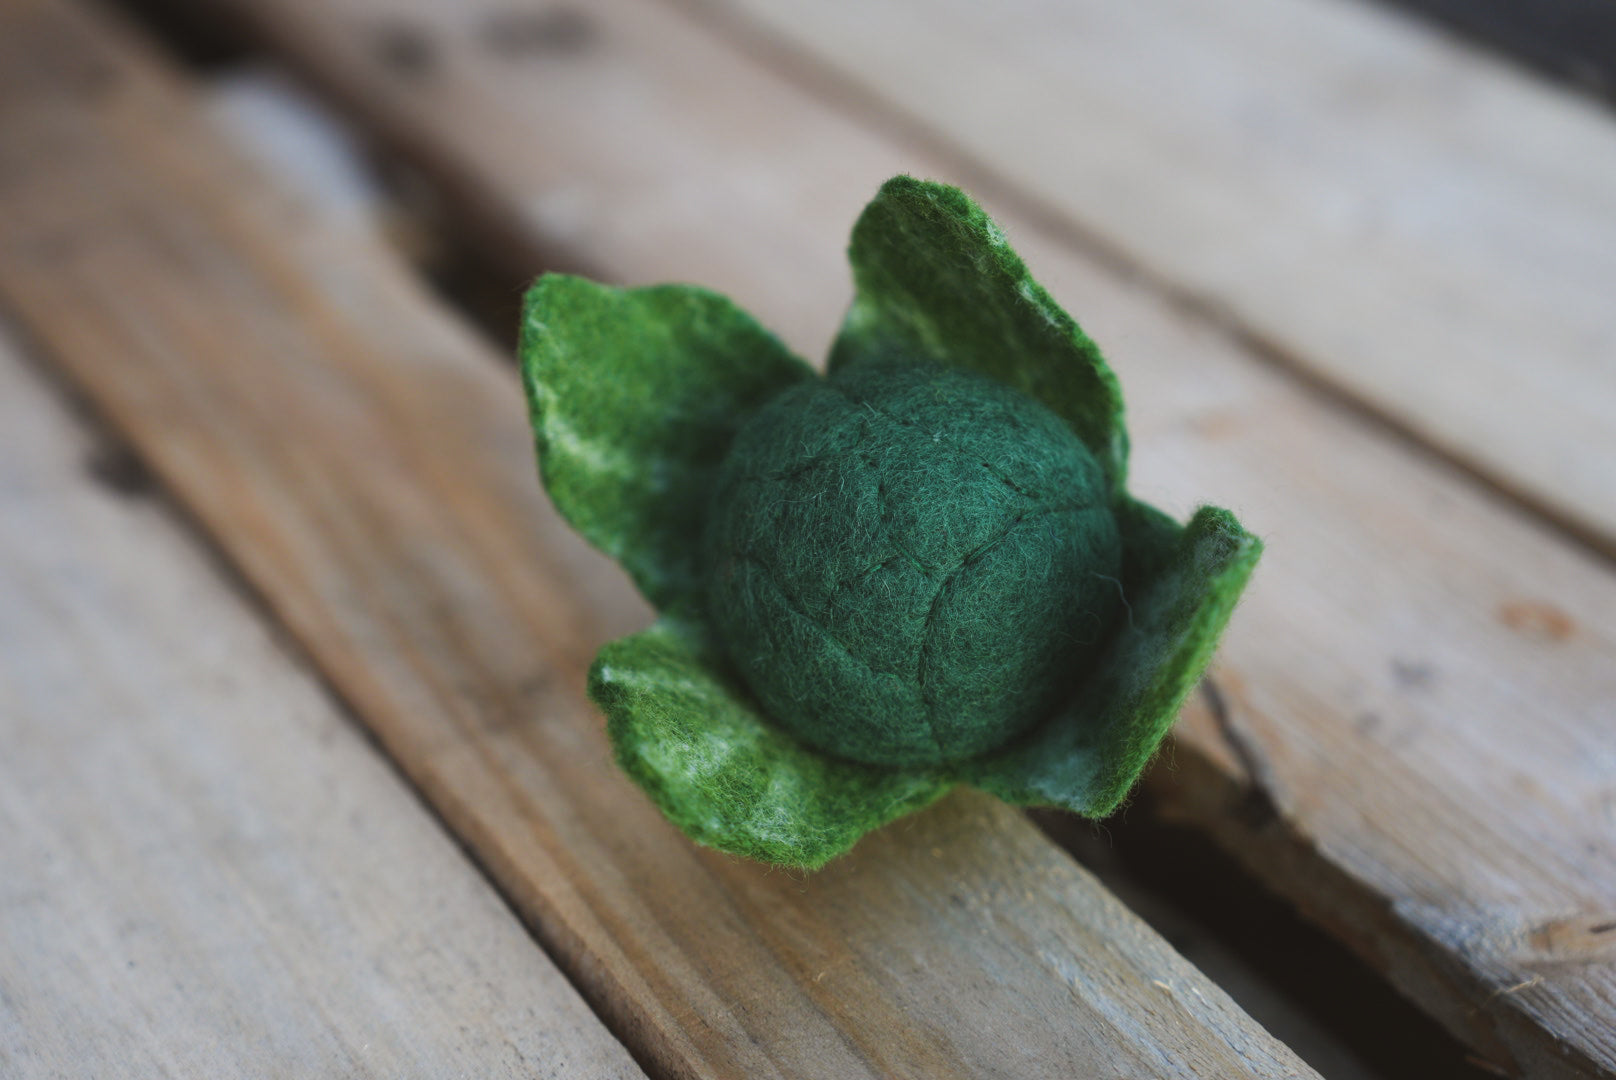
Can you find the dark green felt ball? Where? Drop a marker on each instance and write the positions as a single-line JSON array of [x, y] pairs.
[[908, 563]]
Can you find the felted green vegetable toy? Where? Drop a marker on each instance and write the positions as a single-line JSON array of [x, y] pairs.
[[919, 571]]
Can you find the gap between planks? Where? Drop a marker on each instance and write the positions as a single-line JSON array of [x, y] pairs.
[[367, 463], [1403, 621]]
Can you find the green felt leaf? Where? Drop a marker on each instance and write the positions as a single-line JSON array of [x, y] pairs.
[[687, 733], [635, 396], [935, 279], [1181, 585]]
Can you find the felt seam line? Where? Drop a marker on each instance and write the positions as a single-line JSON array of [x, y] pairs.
[[886, 564], [796, 607], [855, 578], [803, 466], [928, 702], [886, 526], [944, 447], [923, 657], [1007, 482], [811, 463]]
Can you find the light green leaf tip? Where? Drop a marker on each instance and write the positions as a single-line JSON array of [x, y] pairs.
[[635, 395], [690, 736]]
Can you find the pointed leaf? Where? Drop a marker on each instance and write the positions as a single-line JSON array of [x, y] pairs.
[[691, 737], [937, 280], [1181, 586], [635, 396]]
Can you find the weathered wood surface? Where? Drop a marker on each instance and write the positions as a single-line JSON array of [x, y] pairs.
[[204, 870], [1420, 676], [366, 462], [1410, 219]]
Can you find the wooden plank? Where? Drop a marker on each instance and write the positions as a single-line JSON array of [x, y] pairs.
[[205, 869], [366, 461], [1412, 221], [1419, 678]]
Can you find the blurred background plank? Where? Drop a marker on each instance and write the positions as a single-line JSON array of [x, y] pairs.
[[1572, 39], [205, 871], [367, 462], [1414, 222], [1418, 684]]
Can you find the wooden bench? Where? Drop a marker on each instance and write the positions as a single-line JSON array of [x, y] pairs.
[[1411, 732]]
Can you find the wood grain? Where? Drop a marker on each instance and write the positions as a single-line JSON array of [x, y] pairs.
[[206, 872], [366, 462], [1419, 680], [1415, 222]]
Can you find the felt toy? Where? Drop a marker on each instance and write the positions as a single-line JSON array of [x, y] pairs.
[[910, 563], [921, 570]]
